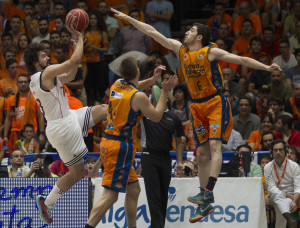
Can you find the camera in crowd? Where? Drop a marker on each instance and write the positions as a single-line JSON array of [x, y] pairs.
[[43, 163]]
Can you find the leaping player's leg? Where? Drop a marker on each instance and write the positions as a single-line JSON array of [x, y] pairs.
[[98, 114], [132, 195]]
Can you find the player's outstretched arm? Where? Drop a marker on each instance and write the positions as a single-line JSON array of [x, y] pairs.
[[170, 44], [140, 101], [66, 71], [219, 54], [144, 84]]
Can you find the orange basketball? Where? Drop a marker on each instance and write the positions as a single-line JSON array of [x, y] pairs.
[[78, 18]]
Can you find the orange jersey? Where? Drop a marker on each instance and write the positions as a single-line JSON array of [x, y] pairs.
[[95, 38], [121, 119], [203, 78], [2, 105]]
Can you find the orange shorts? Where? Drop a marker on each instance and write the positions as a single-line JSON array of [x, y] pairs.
[[117, 158], [212, 120]]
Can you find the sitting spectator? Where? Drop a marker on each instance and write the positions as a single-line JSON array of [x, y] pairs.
[[15, 28], [290, 21], [89, 164], [260, 106], [23, 43], [265, 159], [130, 5], [58, 168], [28, 144], [222, 45], [189, 169], [43, 26], [17, 167], [181, 105], [276, 108], [269, 44], [283, 183], [286, 59], [7, 43], [284, 129], [234, 88], [224, 33], [40, 166], [258, 78], [8, 85], [279, 87], [266, 139], [292, 105], [294, 39], [266, 123], [245, 122], [235, 140], [294, 154], [293, 73]]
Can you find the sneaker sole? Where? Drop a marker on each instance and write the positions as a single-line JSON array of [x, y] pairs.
[[40, 211], [199, 203], [201, 217]]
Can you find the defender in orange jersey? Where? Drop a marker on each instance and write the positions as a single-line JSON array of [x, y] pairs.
[[210, 108], [127, 104]]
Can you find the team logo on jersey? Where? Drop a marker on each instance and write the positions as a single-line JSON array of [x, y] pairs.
[[110, 127], [32, 84], [200, 130], [200, 56], [185, 57], [116, 94]]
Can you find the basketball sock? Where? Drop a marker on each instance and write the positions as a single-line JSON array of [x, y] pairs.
[[211, 183], [53, 196], [88, 226]]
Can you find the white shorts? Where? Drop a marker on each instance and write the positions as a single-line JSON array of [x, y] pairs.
[[66, 135]]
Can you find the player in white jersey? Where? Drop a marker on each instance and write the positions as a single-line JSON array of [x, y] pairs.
[[65, 127]]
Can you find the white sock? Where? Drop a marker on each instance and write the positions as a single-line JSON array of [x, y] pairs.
[[53, 195]]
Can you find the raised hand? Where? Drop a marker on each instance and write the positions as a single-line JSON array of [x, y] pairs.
[[157, 72], [274, 66], [168, 85], [118, 14]]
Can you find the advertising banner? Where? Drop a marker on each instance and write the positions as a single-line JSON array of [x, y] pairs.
[[239, 202]]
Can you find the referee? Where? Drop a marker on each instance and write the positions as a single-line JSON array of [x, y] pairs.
[[156, 162]]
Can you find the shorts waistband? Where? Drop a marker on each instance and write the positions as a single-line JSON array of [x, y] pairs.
[[201, 100], [117, 138]]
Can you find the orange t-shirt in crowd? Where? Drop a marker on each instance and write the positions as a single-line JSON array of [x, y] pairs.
[[237, 27], [142, 17], [227, 19], [223, 64], [17, 120], [241, 46], [2, 106], [258, 2], [23, 30], [4, 73], [6, 83], [255, 137], [95, 38], [71, 50], [113, 3], [51, 25], [15, 11]]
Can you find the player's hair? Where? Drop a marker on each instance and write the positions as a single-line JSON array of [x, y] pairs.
[[31, 56], [10, 62], [205, 32], [129, 68]]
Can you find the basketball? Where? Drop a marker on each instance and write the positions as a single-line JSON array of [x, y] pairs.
[[78, 18]]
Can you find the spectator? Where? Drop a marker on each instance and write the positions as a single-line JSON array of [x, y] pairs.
[[17, 167], [294, 39], [159, 14], [221, 44], [241, 45], [132, 39], [224, 33], [294, 154], [235, 140], [275, 105], [7, 43], [279, 87], [43, 26], [58, 168], [29, 24], [130, 5], [245, 122], [188, 169], [233, 87], [43, 11], [266, 139], [8, 85], [89, 164], [269, 44], [180, 105], [27, 143], [265, 159], [54, 41], [47, 49], [293, 73], [22, 109], [292, 105], [286, 59], [16, 9], [283, 183], [59, 11], [260, 107], [219, 17], [96, 44], [59, 23], [15, 29], [290, 21], [81, 4], [284, 129], [23, 43], [246, 14], [112, 29], [40, 166], [266, 123]]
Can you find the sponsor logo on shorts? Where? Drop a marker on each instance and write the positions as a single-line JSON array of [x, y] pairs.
[[116, 94], [110, 127], [200, 130]]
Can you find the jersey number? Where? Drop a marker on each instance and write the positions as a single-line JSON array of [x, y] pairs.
[[199, 86], [111, 111]]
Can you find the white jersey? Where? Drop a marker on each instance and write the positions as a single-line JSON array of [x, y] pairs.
[[53, 103]]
